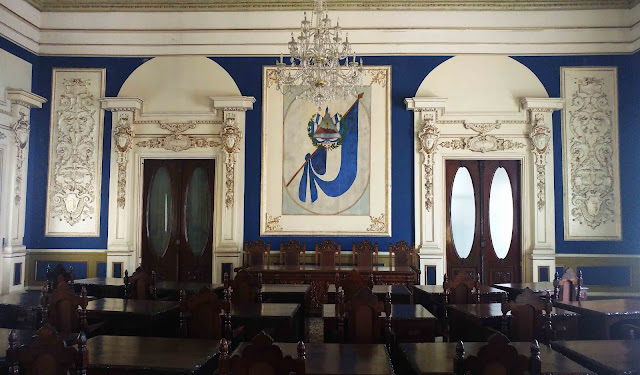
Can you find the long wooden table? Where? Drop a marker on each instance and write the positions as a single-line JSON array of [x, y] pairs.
[[135, 317], [286, 320], [20, 309], [340, 359], [599, 317], [152, 355], [101, 287], [606, 357], [432, 297], [540, 288], [437, 358], [320, 277], [399, 293]]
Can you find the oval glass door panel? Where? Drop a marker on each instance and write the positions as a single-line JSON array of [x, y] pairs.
[[198, 211], [501, 212], [159, 211], [463, 212]]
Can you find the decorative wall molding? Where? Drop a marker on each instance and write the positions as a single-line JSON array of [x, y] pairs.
[[122, 138], [273, 224], [429, 135], [378, 224], [540, 138], [231, 136], [178, 141], [21, 131], [75, 153], [591, 162], [482, 143]]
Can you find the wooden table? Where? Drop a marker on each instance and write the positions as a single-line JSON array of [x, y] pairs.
[[101, 287], [117, 354], [399, 293], [20, 309], [23, 335], [437, 358], [539, 287], [285, 319], [340, 359], [286, 293], [432, 296], [135, 317], [600, 317], [606, 357], [409, 323], [170, 290], [466, 321], [320, 277]]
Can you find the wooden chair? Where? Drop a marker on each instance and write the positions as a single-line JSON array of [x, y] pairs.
[[530, 317], [328, 253], [262, 357], [404, 255], [60, 310], [140, 285], [352, 283], [461, 290], [364, 321], [246, 288], [497, 357], [292, 252], [569, 287], [365, 254], [47, 354], [256, 253], [200, 316], [59, 270]]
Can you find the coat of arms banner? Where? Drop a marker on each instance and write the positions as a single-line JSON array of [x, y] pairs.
[[327, 171]]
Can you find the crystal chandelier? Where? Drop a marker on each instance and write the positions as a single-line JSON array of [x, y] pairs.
[[323, 67]]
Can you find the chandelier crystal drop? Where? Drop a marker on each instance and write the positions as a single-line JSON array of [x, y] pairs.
[[322, 66]]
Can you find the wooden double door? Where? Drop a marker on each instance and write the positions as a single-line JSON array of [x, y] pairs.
[[177, 219], [483, 220]]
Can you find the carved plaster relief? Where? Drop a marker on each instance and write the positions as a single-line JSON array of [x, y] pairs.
[[231, 138], [122, 137], [590, 158], [540, 137], [482, 142], [21, 130], [178, 141], [75, 153], [378, 224], [273, 224], [429, 135]]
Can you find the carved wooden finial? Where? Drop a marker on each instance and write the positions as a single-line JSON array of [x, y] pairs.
[[224, 348], [302, 350], [535, 363], [458, 360]]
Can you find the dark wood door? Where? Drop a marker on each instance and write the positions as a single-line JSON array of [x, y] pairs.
[[177, 221], [483, 220]]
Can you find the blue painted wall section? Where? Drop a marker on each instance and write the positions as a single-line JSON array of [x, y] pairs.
[[407, 74], [117, 270], [101, 269], [431, 275], [79, 269], [543, 274], [17, 273], [604, 275]]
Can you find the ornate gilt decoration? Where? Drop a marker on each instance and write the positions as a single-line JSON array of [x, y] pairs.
[[75, 157], [272, 77], [591, 154], [21, 130], [122, 138], [273, 224], [378, 224], [379, 77], [481, 128], [231, 137], [540, 136], [429, 135], [177, 141]]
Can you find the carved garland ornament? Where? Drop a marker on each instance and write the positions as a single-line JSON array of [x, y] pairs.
[[591, 153], [540, 135], [429, 135], [231, 136], [378, 224], [379, 77], [482, 142], [73, 189], [122, 137], [177, 141], [273, 224], [21, 130]]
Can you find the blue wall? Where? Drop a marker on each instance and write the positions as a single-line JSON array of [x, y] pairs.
[[407, 74]]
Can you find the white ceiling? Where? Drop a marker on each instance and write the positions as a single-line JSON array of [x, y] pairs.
[[481, 29]]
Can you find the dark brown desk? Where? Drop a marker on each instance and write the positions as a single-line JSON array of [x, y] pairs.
[[437, 358], [340, 359], [20, 309], [466, 319], [286, 319], [170, 290], [320, 277], [409, 323], [130, 307], [399, 293], [606, 357], [132, 354], [101, 287], [135, 317], [539, 287], [600, 317], [432, 297], [286, 293], [23, 335]]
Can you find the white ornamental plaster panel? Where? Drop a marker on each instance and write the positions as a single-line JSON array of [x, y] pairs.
[[75, 153], [590, 163], [503, 136]]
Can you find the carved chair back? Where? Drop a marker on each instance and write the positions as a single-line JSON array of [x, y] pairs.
[[497, 357], [292, 252], [402, 254], [365, 253], [140, 285], [352, 283], [200, 315], [569, 288], [46, 354], [62, 308], [364, 324], [246, 288], [328, 253], [262, 357], [256, 253], [53, 276], [530, 317], [461, 290]]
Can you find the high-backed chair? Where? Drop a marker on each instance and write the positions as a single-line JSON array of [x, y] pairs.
[[461, 290], [530, 317], [404, 255], [569, 287], [328, 253], [200, 316], [47, 354], [256, 253], [364, 324], [246, 288], [261, 356], [352, 283], [292, 252], [497, 357], [59, 270], [365, 253], [60, 309], [140, 285]]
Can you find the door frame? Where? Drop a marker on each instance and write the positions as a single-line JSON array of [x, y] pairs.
[[441, 136]]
